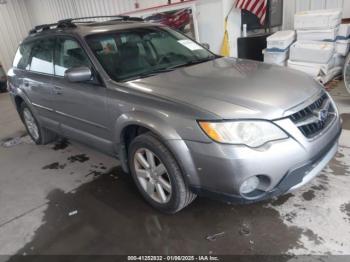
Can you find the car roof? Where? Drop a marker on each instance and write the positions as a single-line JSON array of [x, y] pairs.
[[87, 27]]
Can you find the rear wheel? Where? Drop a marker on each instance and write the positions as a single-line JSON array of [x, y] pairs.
[[157, 174], [39, 135]]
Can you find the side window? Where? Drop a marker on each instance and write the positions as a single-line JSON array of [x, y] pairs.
[[21, 60], [106, 50], [42, 56], [69, 54]]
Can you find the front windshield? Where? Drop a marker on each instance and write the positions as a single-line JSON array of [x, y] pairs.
[[142, 52]]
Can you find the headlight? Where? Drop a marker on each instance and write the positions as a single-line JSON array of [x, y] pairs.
[[250, 133]]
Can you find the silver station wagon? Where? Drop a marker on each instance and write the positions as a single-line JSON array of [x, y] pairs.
[[181, 120]]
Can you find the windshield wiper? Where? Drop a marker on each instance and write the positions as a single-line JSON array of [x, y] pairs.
[[194, 62], [170, 68], [150, 73]]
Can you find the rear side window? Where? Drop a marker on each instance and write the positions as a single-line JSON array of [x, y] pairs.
[[69, 54], [21, 60], [41, 59]]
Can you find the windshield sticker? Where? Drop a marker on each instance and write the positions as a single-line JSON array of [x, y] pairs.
[[190, 45]]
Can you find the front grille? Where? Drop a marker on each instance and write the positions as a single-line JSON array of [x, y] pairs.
[[314, 118]]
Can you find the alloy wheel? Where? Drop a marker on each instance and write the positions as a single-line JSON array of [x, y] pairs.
[[152, 175], [31, 124]]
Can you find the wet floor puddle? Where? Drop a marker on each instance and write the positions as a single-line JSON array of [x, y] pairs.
[[112, 218]]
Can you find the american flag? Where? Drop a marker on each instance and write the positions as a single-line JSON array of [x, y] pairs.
[[257, 7]]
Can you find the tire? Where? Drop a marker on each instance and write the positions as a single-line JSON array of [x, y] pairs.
[[180, 196], [44, 136]]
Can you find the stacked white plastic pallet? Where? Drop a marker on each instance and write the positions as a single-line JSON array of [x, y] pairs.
[[277, 50], [316, 50]]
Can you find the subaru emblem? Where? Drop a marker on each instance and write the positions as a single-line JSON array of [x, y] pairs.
[[322, 115]]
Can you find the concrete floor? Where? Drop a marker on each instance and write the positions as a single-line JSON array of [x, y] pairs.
[[41, 185]]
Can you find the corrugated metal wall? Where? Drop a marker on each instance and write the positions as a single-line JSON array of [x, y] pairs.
[[18, 16], [43, 11], [53, 10], [49, 11], [14, 25]]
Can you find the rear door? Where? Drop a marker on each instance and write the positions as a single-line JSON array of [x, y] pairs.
[[82, 106], [37, 82]]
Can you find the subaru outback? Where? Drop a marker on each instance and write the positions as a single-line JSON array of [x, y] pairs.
[[181, 120]]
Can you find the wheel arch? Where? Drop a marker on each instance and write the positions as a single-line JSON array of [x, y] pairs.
[[19, 97], [18, 102], [134, 123]]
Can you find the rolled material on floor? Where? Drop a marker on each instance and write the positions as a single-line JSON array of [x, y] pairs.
[[325, 78]]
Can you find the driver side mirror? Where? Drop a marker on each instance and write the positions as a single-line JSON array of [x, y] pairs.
[[206, 45], [78, 74]]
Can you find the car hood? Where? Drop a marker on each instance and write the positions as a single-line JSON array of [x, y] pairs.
[[233, 88]]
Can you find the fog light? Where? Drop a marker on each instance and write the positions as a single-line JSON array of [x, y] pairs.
[[249, 185]]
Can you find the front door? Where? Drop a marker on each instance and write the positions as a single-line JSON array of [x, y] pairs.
[[82, 107]]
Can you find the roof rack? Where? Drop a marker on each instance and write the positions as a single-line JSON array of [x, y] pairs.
[[71, 22], [45, 27], [115, 18]]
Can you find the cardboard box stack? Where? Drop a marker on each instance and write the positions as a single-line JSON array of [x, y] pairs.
[[277, 50], [316, 51], [342, 44]]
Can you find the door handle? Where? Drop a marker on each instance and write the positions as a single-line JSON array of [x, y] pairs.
[[57, 90]]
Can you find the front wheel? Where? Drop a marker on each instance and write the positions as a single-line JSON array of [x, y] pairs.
[[157, 174]]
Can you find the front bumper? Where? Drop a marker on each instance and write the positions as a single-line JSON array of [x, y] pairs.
[[218, 170], [290, 182]]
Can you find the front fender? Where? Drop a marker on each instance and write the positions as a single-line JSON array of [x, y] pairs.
[[156, 124], [168, 135]]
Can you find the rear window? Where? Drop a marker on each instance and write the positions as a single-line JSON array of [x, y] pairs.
[[21, 60]]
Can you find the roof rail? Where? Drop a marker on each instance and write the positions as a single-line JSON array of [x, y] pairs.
[[59, 24], [69, 23], [115, 18]]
